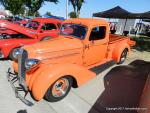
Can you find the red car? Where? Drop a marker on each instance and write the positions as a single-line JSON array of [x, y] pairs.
[[38, 29], [6, 33]]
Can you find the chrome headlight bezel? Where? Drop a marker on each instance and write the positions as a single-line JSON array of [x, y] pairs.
[[31, 63], [16, 53]]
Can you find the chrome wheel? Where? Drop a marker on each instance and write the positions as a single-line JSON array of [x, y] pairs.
[[60, 87], [123, 56]]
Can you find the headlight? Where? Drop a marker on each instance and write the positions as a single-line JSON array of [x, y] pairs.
[[31, 63], [16, 53]]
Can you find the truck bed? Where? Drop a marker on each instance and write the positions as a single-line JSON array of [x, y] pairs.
[[114, 37]]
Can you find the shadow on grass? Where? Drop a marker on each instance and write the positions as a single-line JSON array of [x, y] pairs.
[[123, 88]]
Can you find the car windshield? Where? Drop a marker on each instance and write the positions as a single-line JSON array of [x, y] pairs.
[[75, 30], [33, 25]]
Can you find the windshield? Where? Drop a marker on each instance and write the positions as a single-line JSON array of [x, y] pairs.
[[75, 30], [33, 25]]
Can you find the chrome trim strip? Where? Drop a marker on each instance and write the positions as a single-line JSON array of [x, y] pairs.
[[61, 56], [47, 51], [21, 70]]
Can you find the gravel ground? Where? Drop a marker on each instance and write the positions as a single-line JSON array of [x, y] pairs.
[[143, 55]]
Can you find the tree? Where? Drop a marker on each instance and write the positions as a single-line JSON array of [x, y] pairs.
[[48, 13], [35, 14], [72, 15], [19, 6], [35, 5], [77, 4], [14, 6]]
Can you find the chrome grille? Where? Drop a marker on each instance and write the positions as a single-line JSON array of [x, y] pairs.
[[21, 61]]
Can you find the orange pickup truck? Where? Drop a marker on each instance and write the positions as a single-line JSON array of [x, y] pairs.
[[50, 68]]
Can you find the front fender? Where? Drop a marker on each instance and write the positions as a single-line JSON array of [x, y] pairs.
[[49, 74]]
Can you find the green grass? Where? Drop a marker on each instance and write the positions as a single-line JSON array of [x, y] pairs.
[[142, 43]]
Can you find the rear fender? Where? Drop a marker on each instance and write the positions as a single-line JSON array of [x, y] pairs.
[[116, 54], [49, 74]]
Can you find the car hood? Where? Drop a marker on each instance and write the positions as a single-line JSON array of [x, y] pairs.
[[8, 41], [13, 41], [20, 29], [54, 47]]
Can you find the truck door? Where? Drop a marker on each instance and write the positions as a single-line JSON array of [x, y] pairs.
[[95, 49], [48, 29]]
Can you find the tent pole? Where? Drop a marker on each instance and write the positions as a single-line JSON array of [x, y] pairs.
[[124, 26], [140, 25]]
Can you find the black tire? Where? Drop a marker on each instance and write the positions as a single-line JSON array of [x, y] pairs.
[[123, 56], [46, 38], [51, 97]]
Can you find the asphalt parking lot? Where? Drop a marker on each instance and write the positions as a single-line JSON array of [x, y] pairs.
[[79, 100]]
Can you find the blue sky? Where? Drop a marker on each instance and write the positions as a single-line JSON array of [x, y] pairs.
[[92, 6]]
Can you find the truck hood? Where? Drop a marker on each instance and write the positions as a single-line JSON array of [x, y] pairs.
[[54, 47], [20, 29]]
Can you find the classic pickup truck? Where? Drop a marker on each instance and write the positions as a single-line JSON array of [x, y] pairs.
[[50, 68], [14, 36]]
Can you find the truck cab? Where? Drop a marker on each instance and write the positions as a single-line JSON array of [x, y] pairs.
[[50, 68]]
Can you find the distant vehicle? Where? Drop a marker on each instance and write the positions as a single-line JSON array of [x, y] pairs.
[[15, 36], [21, 22], [50, 68], [55, 17]]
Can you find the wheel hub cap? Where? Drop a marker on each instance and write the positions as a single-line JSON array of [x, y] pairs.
[[60, 87]]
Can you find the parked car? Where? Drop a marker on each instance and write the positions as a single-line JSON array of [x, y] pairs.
[[38, 29], [50, 68]]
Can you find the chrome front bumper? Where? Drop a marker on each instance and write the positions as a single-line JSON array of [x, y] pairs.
[[21, 87]]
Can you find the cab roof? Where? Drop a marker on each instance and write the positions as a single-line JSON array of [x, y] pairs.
[[47, 20], [87, 21]]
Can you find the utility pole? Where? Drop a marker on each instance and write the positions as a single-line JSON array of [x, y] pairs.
[[66, 9]]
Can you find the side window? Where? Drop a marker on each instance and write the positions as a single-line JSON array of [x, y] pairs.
[[49, 26], [98, 33]]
